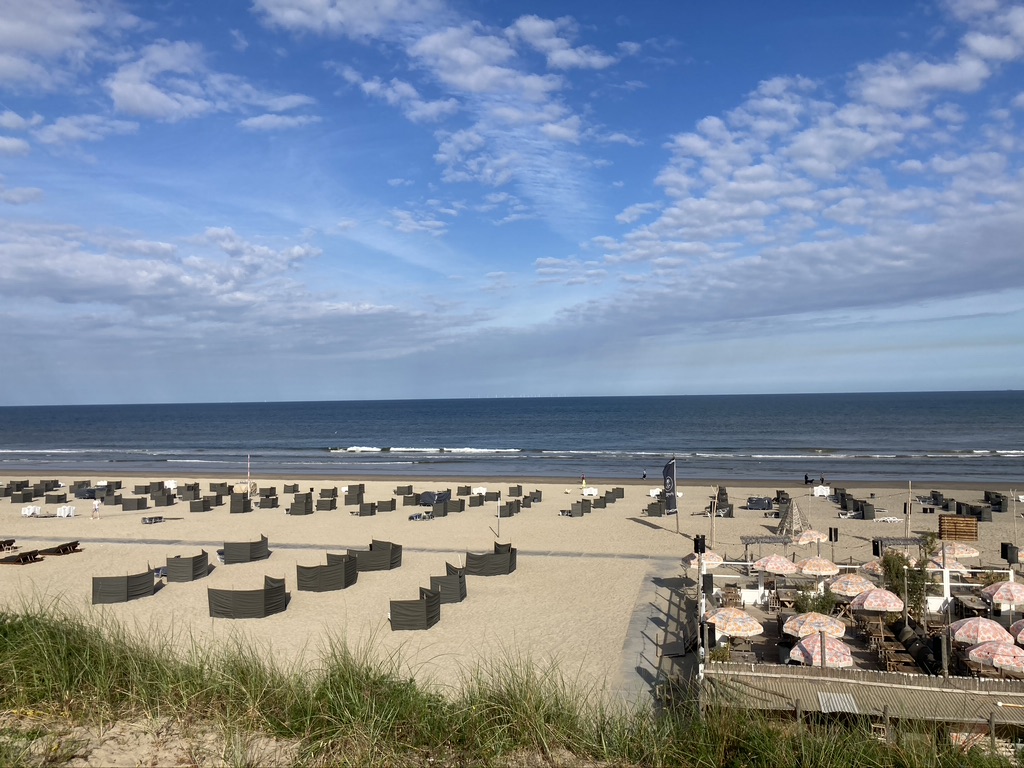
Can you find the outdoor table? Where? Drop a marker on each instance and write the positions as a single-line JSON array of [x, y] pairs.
[[968, 606], [787, 597]]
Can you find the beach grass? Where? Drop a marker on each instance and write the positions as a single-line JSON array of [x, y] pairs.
[[356, 708]]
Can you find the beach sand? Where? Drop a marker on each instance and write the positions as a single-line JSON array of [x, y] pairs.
[[588, 592]]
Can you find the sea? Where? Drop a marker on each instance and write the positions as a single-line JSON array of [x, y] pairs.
[[924, 437]]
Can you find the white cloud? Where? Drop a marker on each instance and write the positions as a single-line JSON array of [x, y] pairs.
[[46, 42], [409, 222], [19, 195], [543, 35], [12, 121], [634, 213], [270, 122], [903, 83], [10, 145], [135, 88], [563, 130], [72, 130], [354, 18], [239, 42], [169, 81], [621, 138], [403, 95]]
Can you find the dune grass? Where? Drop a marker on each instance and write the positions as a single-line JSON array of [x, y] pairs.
[[358, 709]]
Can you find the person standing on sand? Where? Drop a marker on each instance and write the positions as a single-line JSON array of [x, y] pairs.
[[583, 480], [645, 474], [96, 509]]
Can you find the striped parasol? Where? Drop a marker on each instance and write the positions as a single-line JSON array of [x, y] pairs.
[[817, 566], [880, 600], [803, 624], [776, 564], [986, 652], [711, 560], [978, 629], [849, 584], [808, 651]]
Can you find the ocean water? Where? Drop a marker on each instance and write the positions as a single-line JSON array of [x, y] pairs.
[[921, 437]]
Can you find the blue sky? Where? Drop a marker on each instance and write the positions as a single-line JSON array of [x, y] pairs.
[[317, 199]]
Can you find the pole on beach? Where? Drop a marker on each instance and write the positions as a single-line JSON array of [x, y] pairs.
[[714, 514], [910, 503]]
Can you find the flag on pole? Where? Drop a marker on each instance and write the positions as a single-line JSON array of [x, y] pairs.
[[669, 475]]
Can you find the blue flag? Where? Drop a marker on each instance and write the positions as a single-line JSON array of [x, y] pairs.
[[669, 475]]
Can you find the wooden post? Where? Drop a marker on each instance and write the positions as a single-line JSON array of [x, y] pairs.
[[992, 732]]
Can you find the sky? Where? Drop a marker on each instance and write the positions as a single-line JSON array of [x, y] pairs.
[[354, 199]]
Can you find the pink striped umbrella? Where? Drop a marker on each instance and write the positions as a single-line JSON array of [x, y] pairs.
[[808, 651], [849, 584], [812, 622], [776, 564], [987, 651], [978, 629], [881, 600]]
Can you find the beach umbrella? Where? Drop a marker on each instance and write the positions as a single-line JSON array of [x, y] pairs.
[[711, 560], [957, 549], [949, 565], [738, 626], [817, 566], [879, 600], [1008, 592], [812, 622], [978, 629], [810, 536], [714, 614], [874, 567], [776, 564], [1017, 630], [1009, 663], [808, 651], [984, 653], [849, 584]]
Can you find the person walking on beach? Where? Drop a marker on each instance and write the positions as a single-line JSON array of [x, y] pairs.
[[583, 480], [96, 509], [645, 474]]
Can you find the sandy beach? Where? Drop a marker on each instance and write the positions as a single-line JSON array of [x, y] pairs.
[[585, 594]]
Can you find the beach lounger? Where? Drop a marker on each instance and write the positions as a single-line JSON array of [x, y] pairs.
[[61, 549], [20, 558]]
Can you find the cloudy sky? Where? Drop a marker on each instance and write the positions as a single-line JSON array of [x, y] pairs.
[[362, 199]]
